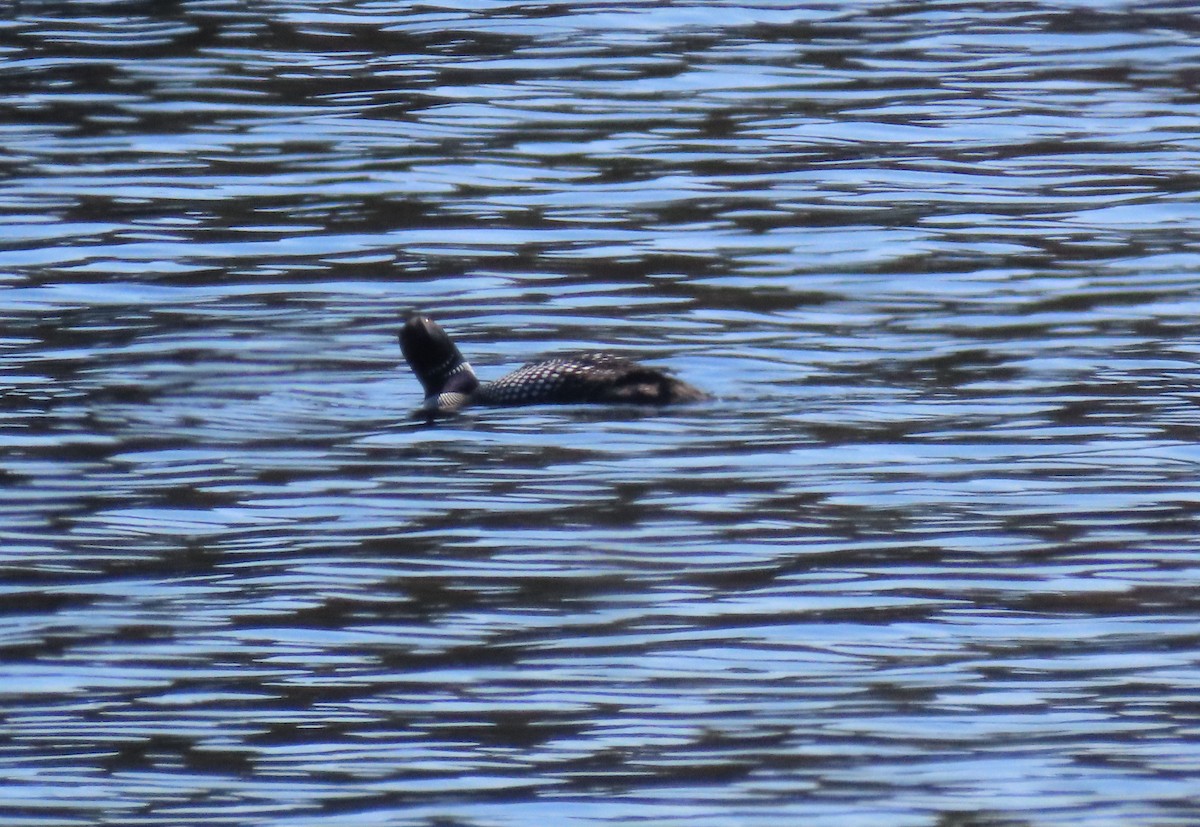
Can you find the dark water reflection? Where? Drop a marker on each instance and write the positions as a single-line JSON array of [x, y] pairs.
[[929, 557]]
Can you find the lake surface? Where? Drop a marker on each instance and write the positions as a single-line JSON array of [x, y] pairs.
[[928, 558]]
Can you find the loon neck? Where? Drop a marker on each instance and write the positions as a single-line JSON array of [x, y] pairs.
[[455, 392]]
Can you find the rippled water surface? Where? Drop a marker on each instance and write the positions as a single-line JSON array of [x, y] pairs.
[[928, 558]]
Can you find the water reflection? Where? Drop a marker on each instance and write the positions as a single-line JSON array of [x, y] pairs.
[[927, 558]]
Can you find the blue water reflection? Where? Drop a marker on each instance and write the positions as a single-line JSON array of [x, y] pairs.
[[926, 558]]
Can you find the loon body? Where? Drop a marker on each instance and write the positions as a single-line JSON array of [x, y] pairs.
[[450, 383]]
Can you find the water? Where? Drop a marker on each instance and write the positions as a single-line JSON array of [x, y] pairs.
[[928, 558]]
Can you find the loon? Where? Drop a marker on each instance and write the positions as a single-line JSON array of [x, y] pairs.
[[450, 383]]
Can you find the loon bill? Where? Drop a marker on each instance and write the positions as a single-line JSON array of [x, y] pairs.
[[450, 383]]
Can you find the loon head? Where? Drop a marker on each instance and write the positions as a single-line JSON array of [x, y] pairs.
[[446, 377]]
